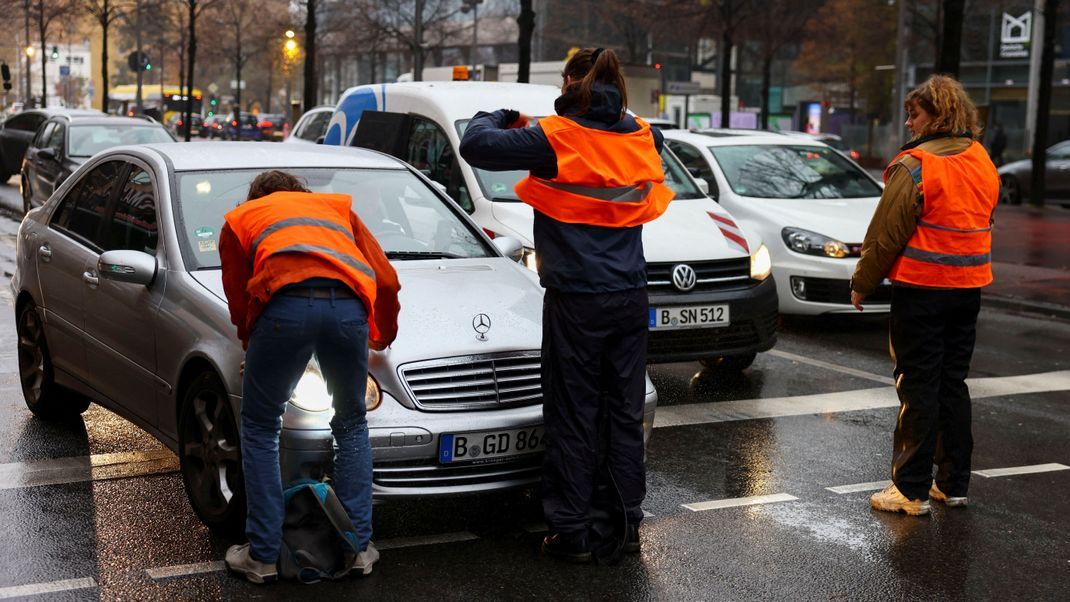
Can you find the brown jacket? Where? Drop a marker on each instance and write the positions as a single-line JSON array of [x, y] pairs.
[[897, 215]]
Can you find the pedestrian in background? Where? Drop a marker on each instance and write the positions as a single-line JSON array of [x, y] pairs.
[[303, 276], [997, 143], [595, 178], [931, 236]]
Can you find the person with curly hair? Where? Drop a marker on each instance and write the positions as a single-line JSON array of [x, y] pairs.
[[931, 235]]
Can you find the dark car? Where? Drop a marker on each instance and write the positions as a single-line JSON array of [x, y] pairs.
[[17, 131], [213, 126], [62, 143], [1016, 179], [250, 128], [178, 126], [273, 126]]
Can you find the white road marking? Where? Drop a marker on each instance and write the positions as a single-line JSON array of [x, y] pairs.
[[1014, 470], [873, 486], [200, 568], [86, 468], [426, 540], [845, 401], [183, 570], [740, 501], [36, 589], [802, 359]]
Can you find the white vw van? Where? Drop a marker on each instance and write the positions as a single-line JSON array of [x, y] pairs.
[[711, 294]]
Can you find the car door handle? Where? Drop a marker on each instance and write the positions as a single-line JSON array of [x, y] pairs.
[[90, 278], [45, 252]]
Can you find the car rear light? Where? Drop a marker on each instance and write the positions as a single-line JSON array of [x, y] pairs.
[[180, 123], [264, 124], [234, 123], [856, 155]]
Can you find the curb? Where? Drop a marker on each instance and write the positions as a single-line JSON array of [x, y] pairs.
[[1024, 306]]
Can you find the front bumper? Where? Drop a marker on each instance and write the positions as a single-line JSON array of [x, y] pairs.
[[405, 458], [753, 320], [825, 286]]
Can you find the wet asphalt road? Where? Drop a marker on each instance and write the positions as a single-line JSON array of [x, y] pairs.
[[719, 438]]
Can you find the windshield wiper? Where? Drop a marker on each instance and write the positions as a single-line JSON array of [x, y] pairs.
[[421, 255]]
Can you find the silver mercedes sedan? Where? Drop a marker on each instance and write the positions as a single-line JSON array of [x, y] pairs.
[[119, 300]]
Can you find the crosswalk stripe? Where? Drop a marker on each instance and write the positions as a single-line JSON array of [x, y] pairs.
[[57, 471], [37, 589], [1016, 470], [740, 501], [845, 401], [802, 359], [872, 486]]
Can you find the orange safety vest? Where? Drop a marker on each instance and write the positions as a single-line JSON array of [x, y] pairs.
[[952, 245], [603, 178], [317, 225]]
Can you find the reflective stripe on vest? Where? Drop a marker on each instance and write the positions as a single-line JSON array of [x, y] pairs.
[[297, 221], [352, 262], [604, 178], [952, 245]]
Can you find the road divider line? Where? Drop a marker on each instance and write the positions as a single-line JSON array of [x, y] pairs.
[[802, 359], [184, 570], [753, 500], [52, 587], [845, 401], [1016, 470], [99, 467], [871, 486]]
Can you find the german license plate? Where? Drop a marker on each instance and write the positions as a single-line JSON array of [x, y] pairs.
[[489, 446], [688, 316]]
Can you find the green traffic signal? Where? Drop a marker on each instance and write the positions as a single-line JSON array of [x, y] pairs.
[[148, 66], [55, 52]]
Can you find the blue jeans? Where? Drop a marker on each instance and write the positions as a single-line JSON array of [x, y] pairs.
[[286, 334]]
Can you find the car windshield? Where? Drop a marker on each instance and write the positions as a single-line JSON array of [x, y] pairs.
[[88, 140], [406, 217], [498, 185], [792, 172]]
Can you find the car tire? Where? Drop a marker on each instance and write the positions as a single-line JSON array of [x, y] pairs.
[[1010, 191], [729, 363], [209, 453], [43, 396]]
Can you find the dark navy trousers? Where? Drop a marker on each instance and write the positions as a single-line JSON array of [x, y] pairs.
[[932, 333], [593, 382]]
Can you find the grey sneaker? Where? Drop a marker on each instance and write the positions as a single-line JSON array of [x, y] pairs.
[[950, 501], [363, 561], [239, 561], [891, 500]]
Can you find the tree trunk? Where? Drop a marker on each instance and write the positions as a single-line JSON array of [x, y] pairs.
[[1038, 189], [190, 62], [44, 52], [526, 23], [139, 100], [310, 92], [418, 43], [724, 75], [104, 23], [950, 47], [237, 81], [767, 83]]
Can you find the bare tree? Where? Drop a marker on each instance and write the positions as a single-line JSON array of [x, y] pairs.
[[526, 21], [398, 19], [194, 9], [950, 46], [237, 16], [311, 80], [45, 13], [727, 16], [104, 12], [778, 24]]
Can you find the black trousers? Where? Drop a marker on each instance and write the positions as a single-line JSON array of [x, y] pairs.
[[593, 382], [932, 333]]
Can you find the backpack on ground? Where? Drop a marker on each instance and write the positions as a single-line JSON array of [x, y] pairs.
[[317, 536]]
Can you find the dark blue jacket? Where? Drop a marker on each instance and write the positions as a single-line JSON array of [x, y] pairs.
[[572, 257]]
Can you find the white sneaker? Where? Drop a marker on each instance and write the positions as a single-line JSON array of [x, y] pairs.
[[951, 501], [363, 561], [890, 500], [239, 561]]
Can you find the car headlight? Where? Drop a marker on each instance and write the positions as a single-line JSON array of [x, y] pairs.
[[812, 243], [311, 392], [761, 265], [527, 258]]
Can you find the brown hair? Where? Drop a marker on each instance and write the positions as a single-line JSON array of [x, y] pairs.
[[274, 181], [590, 66], [945, 100]]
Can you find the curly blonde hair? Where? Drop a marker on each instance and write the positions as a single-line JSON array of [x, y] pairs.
[[950, 107]]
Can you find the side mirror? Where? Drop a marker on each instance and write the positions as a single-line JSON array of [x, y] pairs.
[[46, 153], [320, 139], [703, 185], [510, 247], [134, 267]]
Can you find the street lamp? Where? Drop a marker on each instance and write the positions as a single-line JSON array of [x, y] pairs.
[[473, 5], [30, 51]]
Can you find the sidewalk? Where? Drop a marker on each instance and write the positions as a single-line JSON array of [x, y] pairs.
[[1031, 260]]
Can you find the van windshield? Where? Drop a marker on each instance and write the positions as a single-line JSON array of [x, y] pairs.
[[498, 185]]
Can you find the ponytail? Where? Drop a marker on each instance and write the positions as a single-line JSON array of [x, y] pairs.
[[592, 66]]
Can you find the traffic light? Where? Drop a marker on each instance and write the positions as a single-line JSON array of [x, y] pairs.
[[55, 52], [212, 100], [5, 74], [148, 66]]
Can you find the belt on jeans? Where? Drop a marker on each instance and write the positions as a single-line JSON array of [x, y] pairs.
[[319, 292]]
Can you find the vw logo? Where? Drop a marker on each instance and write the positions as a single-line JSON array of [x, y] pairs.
[[683, 277], [481, 324]]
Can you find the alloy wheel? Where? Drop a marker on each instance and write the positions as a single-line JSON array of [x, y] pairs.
[[211, 454], [33, 367]]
